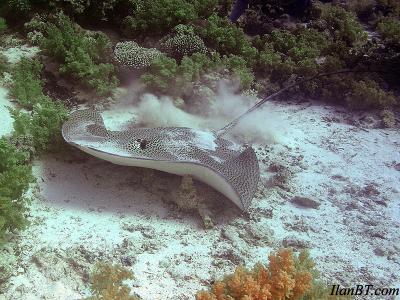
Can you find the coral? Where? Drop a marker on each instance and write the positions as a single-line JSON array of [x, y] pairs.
[[132, 55], [182, 42], [3, 25], [165, 75], [14, 182], [389, 28], [285, 53], [223, 36], [388, 118], [107, 283], [390, 8], [161, 74], [43, 123], [368, 94], [83, 55], [158, 16], [343, 25], [362, 8], [287, 277], [237, 65], [3, 64], [27, 85], [21, 6]]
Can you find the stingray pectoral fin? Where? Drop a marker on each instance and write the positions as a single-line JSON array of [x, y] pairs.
[[84, 124], [243, 174]]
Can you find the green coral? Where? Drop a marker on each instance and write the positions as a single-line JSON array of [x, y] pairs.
[[83, 55], [3, 64], [165, 75], [238, 66], [161, 74], [43, 123], [343, 25], [223, 36], [285, 53], [14, 182], [362, 8], [368, 94], [27, 85], [390, 8], [183, 41], [158, 16], [389, 28], [3, 25]]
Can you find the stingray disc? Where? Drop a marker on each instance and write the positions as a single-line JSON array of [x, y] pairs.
[[177, 150]]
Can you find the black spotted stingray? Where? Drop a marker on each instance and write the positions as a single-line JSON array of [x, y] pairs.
[[177, 150]]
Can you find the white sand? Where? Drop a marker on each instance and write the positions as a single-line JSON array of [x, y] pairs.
[[5, 117]]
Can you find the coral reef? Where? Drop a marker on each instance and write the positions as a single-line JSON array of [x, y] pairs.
[[131, 54]]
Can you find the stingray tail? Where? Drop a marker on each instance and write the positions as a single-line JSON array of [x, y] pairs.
[[244, 174], [84, 123]]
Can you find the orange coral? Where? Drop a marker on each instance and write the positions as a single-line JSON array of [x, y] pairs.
[[283, 279]]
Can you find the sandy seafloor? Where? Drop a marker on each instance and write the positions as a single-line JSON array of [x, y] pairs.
[[84, 210]]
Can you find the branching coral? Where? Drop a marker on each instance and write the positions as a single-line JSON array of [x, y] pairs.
[[27, 85], [183, 42], [158, 16], [44, 121], [286, 278], [133, 55], [3, 25], [389, 28], [84, 55], [14, 181], [368, 94], [226, 38]]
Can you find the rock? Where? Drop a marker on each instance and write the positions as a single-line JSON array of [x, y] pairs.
[[294, 242], [305, 202], [379, 252]]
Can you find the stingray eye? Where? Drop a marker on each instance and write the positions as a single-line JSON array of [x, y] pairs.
[[143, 144]]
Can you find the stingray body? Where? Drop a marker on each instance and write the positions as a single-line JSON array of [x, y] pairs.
[[177, 150]]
